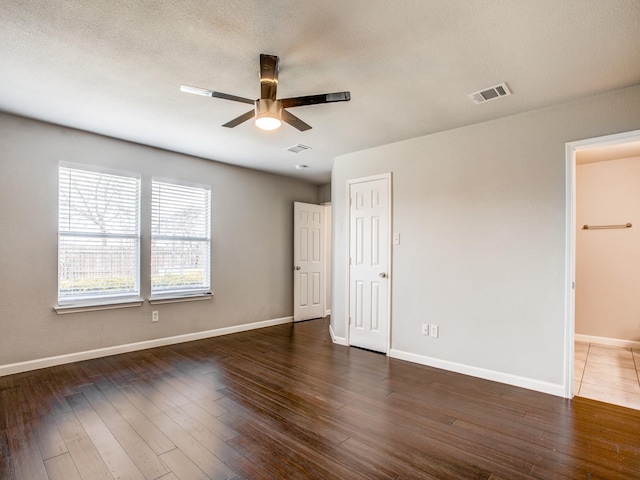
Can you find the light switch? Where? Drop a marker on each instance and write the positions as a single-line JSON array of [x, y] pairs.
[[396, 239]]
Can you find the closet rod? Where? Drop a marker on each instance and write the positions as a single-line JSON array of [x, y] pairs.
[[599, 227]]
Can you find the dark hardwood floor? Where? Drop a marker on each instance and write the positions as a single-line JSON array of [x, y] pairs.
[[285, 403]]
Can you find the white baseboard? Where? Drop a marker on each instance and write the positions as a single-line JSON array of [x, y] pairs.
[[337, 340], [531, 384], [20, 367], [615, 342]]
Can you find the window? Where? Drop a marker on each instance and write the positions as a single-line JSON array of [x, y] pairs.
[[98, 236], [180, 240]]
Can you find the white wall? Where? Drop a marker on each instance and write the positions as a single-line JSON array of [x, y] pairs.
[[608, 261], [481, 213], [252, 241]]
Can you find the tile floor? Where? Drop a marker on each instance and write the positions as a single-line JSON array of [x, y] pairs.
[[606, 373]]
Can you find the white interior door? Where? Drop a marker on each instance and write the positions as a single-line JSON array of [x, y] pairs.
[[369, 261], [308, 261], [327, 260]]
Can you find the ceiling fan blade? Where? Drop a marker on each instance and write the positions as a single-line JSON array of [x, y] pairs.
[[242, 118], [195, 90], [210, 93], [234, 98], [295, 121], [268, 76], [315, 99]]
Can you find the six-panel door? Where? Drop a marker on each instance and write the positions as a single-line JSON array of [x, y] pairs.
[[369, 264], [308, 261]]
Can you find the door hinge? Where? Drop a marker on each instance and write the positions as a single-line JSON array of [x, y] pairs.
[[349, 320]]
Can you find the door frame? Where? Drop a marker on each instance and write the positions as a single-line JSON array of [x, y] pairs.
[[389, 178], [570, 270]]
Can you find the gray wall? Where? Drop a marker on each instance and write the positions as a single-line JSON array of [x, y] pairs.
[[324, 193], [252, 242], [481, 214]]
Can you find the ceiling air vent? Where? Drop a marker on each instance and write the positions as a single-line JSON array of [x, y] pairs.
[[490, 93], [298, 148]]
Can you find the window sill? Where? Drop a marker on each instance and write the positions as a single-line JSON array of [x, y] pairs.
[[179, 298], [91, 307]]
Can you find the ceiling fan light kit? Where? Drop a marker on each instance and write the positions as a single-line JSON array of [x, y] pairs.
[[269, 112]]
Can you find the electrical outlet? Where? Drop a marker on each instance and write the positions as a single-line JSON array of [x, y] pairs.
[[155, 316], [425, 329], [434, 331]]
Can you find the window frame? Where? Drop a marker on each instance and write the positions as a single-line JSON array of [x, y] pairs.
[[101, 299], [167, 295]]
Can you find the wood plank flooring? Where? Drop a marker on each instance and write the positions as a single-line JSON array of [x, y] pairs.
[[285, 403]]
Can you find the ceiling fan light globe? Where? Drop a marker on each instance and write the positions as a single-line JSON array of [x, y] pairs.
[[268, 122]]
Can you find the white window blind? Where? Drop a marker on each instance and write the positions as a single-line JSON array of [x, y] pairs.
[[98, 236], [180, 239]]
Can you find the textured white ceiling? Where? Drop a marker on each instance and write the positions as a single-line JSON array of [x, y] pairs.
[[115, 67]]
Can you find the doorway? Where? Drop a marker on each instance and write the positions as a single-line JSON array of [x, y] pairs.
[[603, 264], [308, 261]]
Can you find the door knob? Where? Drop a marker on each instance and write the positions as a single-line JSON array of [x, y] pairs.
[[296, 267], [383, 275]]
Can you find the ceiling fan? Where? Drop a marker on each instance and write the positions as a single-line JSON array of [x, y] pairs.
[[268, 111]]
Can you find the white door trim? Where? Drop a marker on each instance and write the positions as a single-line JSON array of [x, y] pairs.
[[570, 269], [383, 176]]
